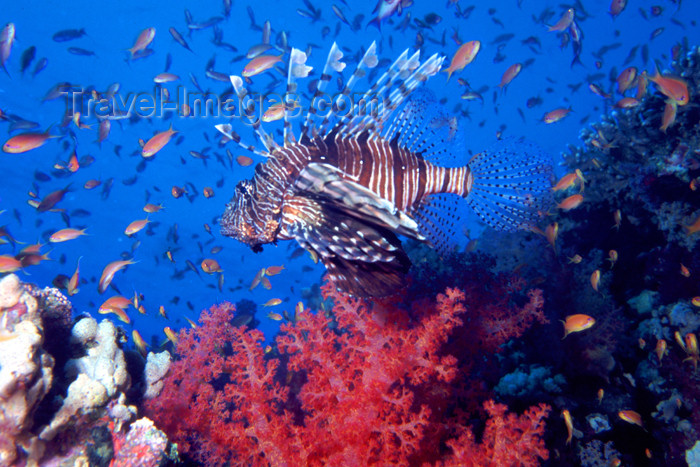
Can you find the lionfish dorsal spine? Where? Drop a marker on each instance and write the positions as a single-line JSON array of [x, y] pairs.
[[297, 69], [399, 67], [334, 56], [369, 60], [242, 93]]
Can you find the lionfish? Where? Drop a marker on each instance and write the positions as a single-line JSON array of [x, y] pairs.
[[346, 190]]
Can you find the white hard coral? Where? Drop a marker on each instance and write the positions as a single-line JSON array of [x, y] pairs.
[[26, 370]]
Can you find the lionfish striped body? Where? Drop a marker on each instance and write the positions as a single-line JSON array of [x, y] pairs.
[[345, 193]]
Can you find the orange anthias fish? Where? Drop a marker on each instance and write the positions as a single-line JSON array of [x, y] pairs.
[[566, 182], [564, 22], [674, 88], [136, 226], [64, 235], [577, 323], [272, 302], [116, 305], [627, 103], [669, 116], [273, 270], [9, 264], [571, 202], [463, 57], [143, 40], [211, 266], [139, 342], [151, 208], [595, 279], [626, 78], [26, 142], [114, 302], [661, 347], [509, 75], [74, 281], [630, 416], [569, 425], [244, 161], [257, 279], [616, 7], [109, 271], [260, 64], [692, 228], [555, 115], [170, 334], [157, 142]]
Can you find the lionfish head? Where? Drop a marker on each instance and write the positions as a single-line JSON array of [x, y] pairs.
[[238, 221]]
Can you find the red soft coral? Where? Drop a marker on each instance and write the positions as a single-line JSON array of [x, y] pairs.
[[220, 399], [375, 387], [359, 381], [509, 440]]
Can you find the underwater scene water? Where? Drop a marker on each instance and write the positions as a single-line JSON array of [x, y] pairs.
[[349, 233]]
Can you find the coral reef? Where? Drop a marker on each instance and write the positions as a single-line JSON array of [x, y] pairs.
[[46, 410], [640, 204], [363, 383]]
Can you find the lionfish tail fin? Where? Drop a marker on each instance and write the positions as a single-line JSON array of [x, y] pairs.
[[511, 185]]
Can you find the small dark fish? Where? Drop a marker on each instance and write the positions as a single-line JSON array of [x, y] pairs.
[[107, 188], [142, 54], [503, 38], [217, 76], [656, 10], [656, 33], [68, 35], [130, 181], [227, 7], [432, 19], [631, 56], [340, 15], [40, 65], [81, 52], [251, 16], [206, 24], [533, 102], [80, 213], [23, 125], [196, 84], [41, 176], [27, 58], [645, 54], [52, 199]]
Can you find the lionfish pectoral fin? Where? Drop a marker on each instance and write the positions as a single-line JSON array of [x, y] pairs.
[[324, 181], [439, 220], [511, 184], [363, 258]]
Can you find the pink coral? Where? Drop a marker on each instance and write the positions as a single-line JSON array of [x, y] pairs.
[[372, 388]]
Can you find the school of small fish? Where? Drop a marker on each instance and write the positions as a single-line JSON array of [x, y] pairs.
[[98, 161]]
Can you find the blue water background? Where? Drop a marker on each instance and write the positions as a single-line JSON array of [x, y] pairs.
[[112, 27]]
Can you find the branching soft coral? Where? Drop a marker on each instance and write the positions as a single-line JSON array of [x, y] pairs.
[[219, 398], [375, 387], [357, 380], [508, 440]]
